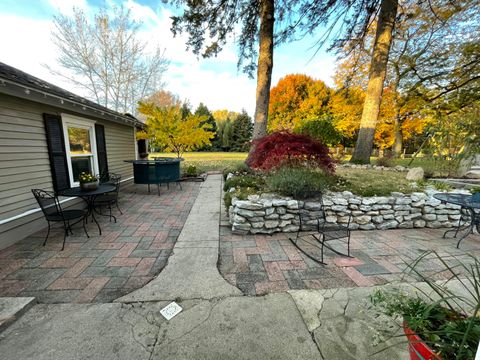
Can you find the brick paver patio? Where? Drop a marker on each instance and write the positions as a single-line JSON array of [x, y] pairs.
[[260, 264], [126, 256]]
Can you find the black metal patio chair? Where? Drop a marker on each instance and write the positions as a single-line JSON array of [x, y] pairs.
[[53, 212], [110, 199], [315, 233]]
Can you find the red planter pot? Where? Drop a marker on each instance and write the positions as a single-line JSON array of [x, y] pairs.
[[417, 348]]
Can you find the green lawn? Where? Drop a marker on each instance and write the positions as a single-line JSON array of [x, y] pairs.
[[433, 167], [373, 182], [208, 161]]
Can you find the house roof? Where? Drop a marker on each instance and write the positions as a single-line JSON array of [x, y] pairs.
[[20, 84]]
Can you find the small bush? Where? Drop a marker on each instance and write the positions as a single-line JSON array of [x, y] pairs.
[[191, 170], [282, 148], [385, 161], [245, 181], [240, 193], [299, 183], [237, 169], [321, 129]]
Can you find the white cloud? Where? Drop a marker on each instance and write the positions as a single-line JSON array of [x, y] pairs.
[[29, 45], [192, 77], [141, 12], [65, 7]]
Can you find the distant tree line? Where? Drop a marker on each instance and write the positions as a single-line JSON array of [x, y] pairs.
[[222, 130]]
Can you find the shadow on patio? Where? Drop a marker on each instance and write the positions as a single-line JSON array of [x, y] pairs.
[[126, 256], [261, 264]]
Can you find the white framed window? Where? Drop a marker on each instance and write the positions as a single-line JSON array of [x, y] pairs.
[[80, 146]]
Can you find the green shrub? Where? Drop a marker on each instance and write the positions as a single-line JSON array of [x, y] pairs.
[[240, 193], [385, 161], [244, 181], [299, 183], [321, 129], [191, 170], [444, 317], [238, 169], [440, 185]]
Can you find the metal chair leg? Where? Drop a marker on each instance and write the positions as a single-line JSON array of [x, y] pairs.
[[48, 233], [64, 239], [321, 249], [65, 233], [111, 216], [84, 223], [70, 228], [348, 245], [116, 203]]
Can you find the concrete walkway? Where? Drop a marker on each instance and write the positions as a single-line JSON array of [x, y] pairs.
[[217, 321], [192, 271]]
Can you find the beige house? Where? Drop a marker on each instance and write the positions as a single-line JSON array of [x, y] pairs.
[[47, 137]]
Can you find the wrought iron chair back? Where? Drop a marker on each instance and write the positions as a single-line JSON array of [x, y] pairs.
[[110, 198], [48, 202], [53, 212], [314, 232]]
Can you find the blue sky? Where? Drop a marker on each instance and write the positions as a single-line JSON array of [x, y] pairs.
[[26, 25]]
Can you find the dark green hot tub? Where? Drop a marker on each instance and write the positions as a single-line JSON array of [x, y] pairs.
[[158, 171]]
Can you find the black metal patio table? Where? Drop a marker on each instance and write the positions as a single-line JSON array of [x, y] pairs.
[[89, 197], [468, 206]]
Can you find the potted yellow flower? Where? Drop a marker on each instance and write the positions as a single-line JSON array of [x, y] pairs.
[[87, 181]]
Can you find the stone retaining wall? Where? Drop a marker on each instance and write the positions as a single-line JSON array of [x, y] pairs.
[[269, 213]]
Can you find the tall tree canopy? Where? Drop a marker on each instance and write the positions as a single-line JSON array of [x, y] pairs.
[[297, 98], [210, 24], [105, 57], [432, 64]]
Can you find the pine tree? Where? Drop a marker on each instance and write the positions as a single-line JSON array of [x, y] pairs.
[[242, 129], [202, 110]]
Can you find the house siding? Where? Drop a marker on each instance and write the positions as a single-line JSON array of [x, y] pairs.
[[24, 161]]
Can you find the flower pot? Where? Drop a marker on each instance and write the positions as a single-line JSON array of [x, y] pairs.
[[417, 348], [89, 186]]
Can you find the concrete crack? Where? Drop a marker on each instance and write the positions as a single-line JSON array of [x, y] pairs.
[[195, 327], [345, 307], [317, 345], [146, 347], [155, 343], [150, 346]]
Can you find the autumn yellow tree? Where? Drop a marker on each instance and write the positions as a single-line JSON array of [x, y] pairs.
[[295, 99], [177, 133], [346, 107]]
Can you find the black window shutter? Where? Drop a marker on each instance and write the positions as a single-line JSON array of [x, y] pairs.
[[101, 152], [56, 152]]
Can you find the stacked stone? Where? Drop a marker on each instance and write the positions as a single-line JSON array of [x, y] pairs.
[[373, 167], [268, 214]]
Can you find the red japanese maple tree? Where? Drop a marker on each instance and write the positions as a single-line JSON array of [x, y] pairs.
[[284, 148]]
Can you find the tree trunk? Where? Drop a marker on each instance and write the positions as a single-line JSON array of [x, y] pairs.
[[264, 68], [378, 70], [397, 137]]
